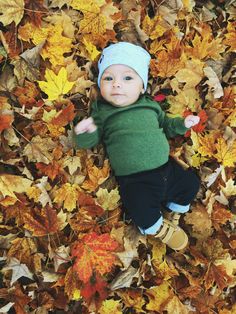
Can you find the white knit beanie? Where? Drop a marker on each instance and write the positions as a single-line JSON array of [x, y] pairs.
[[128, 54]]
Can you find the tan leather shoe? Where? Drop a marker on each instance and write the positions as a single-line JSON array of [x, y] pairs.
[[172, 235]]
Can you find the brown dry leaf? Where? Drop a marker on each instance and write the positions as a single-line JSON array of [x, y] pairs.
[[42, 223], [198, 218]]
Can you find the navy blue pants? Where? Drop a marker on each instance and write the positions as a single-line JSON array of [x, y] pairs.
[[144, 194]]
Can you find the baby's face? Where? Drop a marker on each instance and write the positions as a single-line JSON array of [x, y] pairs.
[[120, 85]]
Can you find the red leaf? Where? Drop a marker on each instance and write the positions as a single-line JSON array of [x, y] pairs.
[[95, 290], [5, 121], [65, 116], [159, 97], [94, 252]]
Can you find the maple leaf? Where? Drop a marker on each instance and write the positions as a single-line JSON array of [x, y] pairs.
[[220, 216], [26, 94], [64, 116], [11, 183], [35, 10], [55, 85], [39, 149], [96, 176], [206, 46], [67, 194], [157, 296], [24, 250], [230, 37], [166, 66], [94, 253], [207, 142], [108, 200], [11, 11], [155, 27], [17, 297], [225, 152], [95, 289], [216, 274], [72, 284], [133, 298], [42, 223], [93, 21], [52, 170], [197, 218], [5, 121]]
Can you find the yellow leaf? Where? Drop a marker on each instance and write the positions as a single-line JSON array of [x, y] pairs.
[[207, 144], [230, 188], [92, 50], [53, 51], [12, 11], [165, 65], [225, 153], [67, 194], [55, 85], [230, 37], [191, 74], [108, 200], [175, 306], [110, 306], [76, 295], [206, 46], [158, 295], [11, 183], [155, 27]]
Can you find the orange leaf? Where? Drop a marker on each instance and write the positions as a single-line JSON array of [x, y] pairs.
[[71, 282], [94, 252], [65, 116], [5, 121], [96, 289], [51, 170], [218, 275], [43, 223], [27, 94]]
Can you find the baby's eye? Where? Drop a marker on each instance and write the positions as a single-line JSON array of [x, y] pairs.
[[107, 78], [128, 78]]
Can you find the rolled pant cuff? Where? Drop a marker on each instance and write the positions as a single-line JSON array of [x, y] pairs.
[[154, 228], [178, 208]]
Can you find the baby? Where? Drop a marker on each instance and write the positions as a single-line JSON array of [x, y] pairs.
[[134, 131]]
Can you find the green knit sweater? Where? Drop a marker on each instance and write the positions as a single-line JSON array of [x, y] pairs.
[[135, 136]]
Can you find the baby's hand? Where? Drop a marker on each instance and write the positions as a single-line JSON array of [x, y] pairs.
[[191, 120], [85, 126]]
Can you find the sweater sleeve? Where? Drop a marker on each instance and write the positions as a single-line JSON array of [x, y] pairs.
[[171, 126], [89, 140]]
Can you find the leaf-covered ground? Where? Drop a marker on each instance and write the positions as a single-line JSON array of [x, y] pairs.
[[65, 246]]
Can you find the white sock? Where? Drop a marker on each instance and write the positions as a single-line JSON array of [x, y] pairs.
[[178, 208]]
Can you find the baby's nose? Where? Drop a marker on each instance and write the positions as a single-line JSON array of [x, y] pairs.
[[116, 83]]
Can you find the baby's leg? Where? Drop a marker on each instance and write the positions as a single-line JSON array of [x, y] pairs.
[[141, 195], [183, 186]]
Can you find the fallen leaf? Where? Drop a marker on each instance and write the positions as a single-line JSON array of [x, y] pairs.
[[94, 252], [55, 85]]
